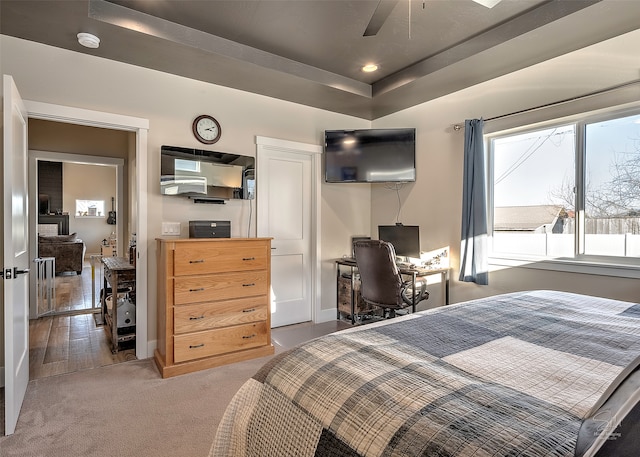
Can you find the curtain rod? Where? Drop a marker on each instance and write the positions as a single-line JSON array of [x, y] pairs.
[[457, 127]]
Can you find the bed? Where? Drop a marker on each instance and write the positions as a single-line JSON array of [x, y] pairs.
[[536, 373]]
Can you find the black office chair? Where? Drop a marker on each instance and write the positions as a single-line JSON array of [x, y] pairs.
[[381, 282]]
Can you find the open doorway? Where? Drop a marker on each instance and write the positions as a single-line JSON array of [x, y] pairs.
[[76, 171], [75, 227]]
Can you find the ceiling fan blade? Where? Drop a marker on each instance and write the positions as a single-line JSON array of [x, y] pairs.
[[488, 3], [380, 15]]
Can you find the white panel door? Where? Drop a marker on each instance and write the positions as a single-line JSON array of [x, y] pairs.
[[15, 258], [284, 213]]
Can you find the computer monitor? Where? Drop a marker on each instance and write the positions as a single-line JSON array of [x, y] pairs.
[[405, 238]]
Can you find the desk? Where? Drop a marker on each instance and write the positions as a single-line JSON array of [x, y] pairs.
[[119, 273], [413, 272]]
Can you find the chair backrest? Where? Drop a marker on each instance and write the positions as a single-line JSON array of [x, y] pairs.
[[381, 283]]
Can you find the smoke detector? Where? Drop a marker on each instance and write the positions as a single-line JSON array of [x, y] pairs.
[[88, 40]]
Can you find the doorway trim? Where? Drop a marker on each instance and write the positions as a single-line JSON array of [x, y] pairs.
[[138, 216], [33, 157]]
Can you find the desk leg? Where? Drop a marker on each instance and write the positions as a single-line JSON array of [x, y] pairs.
[[353, 296], [338, 292], [445, 281], [103, 300], [114, 313], [413, 298]]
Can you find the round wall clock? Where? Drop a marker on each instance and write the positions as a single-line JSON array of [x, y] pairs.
[[206, 129]]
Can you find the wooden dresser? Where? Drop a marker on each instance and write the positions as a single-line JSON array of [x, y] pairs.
[[213, 302]]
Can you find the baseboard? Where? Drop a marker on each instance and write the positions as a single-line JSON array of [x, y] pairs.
[[326, 315], [151, 347]]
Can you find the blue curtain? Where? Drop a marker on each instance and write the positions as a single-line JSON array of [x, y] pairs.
[[473, 249]]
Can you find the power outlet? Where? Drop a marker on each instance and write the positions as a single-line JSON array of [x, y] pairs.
[[171, 228]]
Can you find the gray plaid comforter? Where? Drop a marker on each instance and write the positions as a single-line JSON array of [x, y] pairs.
[[508, 375]]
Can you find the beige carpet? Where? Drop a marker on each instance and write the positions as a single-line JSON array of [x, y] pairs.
[[125, 410]]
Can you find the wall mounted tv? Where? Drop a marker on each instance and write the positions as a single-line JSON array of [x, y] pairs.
[[370, 155], [206, 176]]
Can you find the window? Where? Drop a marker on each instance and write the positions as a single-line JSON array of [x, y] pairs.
[[567, 190], [90, 208], [612, 187]]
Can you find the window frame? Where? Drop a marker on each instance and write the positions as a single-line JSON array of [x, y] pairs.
[[102, 214], [628, 267]]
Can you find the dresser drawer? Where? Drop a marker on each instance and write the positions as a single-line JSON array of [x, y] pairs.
[[200, 258], [223, 286], [219, 341], [205, 316]]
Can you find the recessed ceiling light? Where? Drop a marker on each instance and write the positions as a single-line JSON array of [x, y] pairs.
[[88, 40], [369, 68], [488, 3]]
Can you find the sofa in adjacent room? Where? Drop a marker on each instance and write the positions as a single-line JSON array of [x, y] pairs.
[[68, 250]]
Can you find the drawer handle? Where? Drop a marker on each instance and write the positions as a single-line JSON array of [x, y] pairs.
[[196, 318], [197, 290], [250, 310], [248, 337], [251, 284], [196, 346], [196, 261], [248, 258]]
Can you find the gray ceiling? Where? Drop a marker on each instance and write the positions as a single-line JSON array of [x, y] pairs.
[[311, 51]]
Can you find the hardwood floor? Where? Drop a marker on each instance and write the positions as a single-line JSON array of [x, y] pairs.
[[71, 341], [73, 292]]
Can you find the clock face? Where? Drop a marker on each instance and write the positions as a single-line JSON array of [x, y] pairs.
[[206, 129]]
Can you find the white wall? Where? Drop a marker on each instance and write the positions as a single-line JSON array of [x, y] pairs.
[[434, 200], [89, 182], [339, 223], [52, 75]]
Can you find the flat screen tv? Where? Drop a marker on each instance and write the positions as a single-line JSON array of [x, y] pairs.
[[206, 176], [370, 155]]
